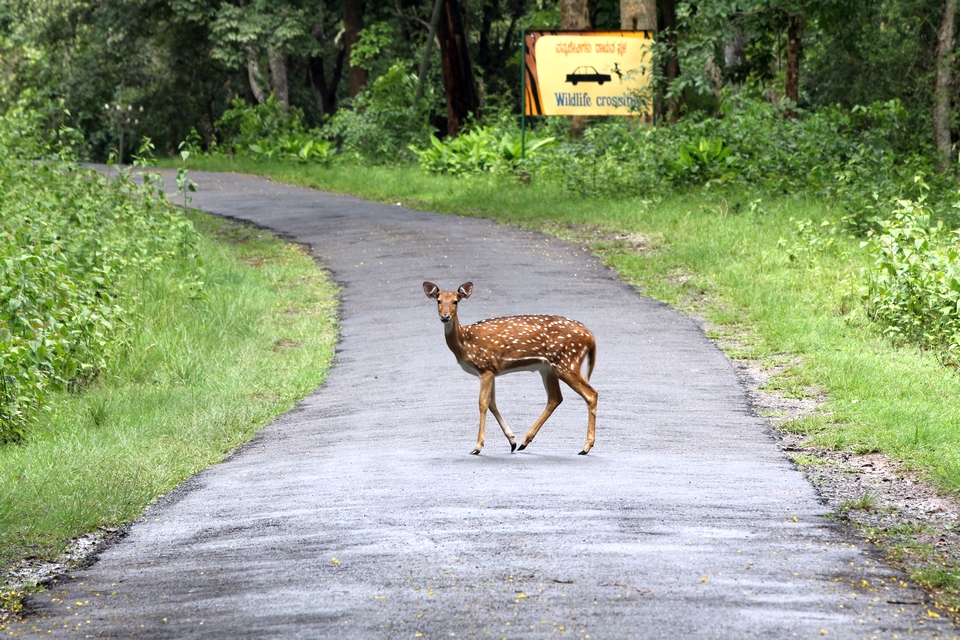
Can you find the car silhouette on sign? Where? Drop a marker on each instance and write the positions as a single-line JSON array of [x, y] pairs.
[[587, 74]]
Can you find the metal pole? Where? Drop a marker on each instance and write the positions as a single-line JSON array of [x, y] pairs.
[[523, 94]]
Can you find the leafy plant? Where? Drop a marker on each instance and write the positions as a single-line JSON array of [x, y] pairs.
[[378, 127], [478, 150], [266, 131], [72, 244], [707, 160], [913, 287]]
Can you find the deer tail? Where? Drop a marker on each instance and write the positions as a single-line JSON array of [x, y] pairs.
[[592, 358]]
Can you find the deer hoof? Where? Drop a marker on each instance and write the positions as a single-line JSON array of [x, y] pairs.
[[475, 452], [521, 447], [513, 447], [582, 453]]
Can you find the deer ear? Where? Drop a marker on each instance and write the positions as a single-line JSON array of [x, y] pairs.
[[432, 290], [465, 289]]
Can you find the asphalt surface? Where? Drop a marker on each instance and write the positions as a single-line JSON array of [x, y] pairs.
[[361, 514]]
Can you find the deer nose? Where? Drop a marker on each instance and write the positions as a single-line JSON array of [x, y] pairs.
[[444, 317]]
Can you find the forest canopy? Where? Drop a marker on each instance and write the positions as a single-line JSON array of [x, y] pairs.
[[353, 66]]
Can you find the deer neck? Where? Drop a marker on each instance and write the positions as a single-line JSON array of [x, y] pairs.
[[453, 333]]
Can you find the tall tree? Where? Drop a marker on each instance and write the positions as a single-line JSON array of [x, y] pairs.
[[944, 83], [279, 76], [324, 90], [352, 25], [459, 82], [263, 33], [795, 23], [574, 14], [638, 15], [671, 65]]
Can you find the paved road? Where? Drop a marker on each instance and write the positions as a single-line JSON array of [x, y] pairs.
[[361, 514]]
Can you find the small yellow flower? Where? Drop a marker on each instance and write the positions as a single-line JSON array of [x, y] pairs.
[[335, 561]]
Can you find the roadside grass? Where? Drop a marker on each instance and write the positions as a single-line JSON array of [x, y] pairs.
[[720, 256], [197, 380]]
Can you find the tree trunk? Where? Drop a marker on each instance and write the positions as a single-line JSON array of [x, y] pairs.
[[941, 100], [253, 74], [279, 82], [638, 15], [734, 56], [487, 18], [795, 23], [671, 66], [458, 79], [325, 93], [574, 14], [352, 25]]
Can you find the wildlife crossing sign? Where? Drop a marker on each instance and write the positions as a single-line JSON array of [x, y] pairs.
[[587, 73]]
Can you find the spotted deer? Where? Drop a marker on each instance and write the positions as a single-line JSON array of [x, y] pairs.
[[553, 346]]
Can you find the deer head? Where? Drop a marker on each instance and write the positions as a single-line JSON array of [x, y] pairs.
[[447, 300]]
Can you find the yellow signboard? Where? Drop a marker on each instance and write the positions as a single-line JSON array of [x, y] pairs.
[[586, 73]]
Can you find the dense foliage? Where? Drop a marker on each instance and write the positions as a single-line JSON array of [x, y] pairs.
[[913, 287], [267, 131], [74, 248], [858, 157], [847, 114], [187, 61]]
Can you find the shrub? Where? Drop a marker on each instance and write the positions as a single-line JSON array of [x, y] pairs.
[[268, 132], [857, 157], [478, 150], [913, 286], [73, 247], [376, 127]]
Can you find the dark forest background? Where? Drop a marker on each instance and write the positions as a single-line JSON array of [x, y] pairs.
[[349, 64]]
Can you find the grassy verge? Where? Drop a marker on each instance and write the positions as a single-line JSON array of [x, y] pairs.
[[199, 378], [723, 257]]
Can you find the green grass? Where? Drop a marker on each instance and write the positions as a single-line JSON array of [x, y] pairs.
[[196, 381], [719, 256]]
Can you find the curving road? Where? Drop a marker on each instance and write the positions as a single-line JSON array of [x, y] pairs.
[[361, 514]]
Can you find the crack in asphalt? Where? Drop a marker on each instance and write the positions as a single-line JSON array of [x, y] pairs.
[[361, 514]]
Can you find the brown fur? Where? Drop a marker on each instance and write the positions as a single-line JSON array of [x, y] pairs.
[[553, 345]]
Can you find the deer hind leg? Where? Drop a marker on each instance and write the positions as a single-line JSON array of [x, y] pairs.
[[552, 385], [486, 397], [579, 384], [503, 425]]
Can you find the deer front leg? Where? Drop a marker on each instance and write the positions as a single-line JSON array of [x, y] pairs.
[[552, 385], [500, 421], [486, 396]]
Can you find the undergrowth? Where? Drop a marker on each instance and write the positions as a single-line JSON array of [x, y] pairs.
[[196, 377], [74, 250]]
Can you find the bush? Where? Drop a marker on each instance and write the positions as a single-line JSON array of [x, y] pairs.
[[857, 157], [73, 247], [268, 132], [481, 149], [376, 127], [913, 286]]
